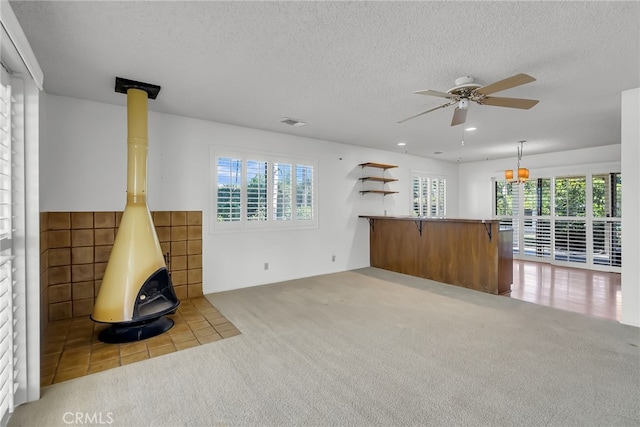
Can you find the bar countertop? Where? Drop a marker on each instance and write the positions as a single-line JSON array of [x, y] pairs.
[[429, 218]]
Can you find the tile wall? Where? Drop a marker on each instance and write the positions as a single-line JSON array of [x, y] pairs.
[[75, 248]]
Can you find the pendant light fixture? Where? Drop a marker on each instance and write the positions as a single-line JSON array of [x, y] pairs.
[[523, 173]]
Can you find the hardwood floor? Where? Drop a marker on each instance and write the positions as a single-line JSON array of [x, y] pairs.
[[592, 293]]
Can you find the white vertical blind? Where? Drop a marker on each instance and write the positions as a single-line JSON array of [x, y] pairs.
[[7, 359], [20, 248]]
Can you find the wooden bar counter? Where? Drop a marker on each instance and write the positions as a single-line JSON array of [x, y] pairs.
[[474, 254]]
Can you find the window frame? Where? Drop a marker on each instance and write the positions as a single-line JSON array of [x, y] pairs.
[[610, 257], [269, 222], [430, 177]]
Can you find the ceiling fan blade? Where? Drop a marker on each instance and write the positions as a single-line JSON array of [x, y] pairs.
[[508, 83], [459, 116], [428, 111], [436, 93], [521, 103]]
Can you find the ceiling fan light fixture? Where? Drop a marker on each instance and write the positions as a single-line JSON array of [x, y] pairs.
[[467, 90]]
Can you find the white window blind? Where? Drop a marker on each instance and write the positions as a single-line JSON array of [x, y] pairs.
[[304, 192], [570, 226], [229, 189], [281, 194], [5, 163], [607, 219], [257, 190], [429, 196], [20, 257], [569, 219], [507, 198], [263, 191], [438, 197], [6, 278], [537, 219]]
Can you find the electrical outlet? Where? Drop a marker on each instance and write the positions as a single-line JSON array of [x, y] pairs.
[[266, 265], [333, 258]]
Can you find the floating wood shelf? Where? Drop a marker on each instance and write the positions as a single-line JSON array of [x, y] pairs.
[[377, 165], [383, 192], [377, 178], [384, 180]]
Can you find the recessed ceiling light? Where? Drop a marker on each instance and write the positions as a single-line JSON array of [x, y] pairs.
[[292, 122], [402, 143], [470, 129]]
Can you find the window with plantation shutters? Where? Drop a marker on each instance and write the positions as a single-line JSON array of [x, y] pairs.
[[569, 219], [570, 227], [438, 197], [20, 82], [304, 192], [256, 190], [429, 195], [507, 202], [263, 191], [607, 219], [15, 361], [229, 189], [537, 218], [281, 191], [6, 255]]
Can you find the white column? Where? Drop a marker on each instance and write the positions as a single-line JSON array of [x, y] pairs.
[[630, 151]]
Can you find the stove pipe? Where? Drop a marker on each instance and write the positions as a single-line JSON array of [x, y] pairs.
[[136, 290]]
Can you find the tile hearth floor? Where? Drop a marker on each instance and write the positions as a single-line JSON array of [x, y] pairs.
[[71, 348]]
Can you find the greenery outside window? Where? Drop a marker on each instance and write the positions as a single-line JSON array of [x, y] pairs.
[[257, 191], [229, 189], [572, 219]]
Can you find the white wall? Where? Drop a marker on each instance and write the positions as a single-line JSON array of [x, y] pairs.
[[83, 168], [630, 207], [475, 190]]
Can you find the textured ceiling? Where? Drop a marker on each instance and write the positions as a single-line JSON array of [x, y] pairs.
[[349, 69]]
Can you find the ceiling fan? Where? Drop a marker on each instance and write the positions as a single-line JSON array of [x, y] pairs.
[[466, 90]]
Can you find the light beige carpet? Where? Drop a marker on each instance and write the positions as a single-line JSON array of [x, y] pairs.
[[371, 347]]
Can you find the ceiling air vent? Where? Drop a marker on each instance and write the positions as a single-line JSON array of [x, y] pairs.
[[292, 122]]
